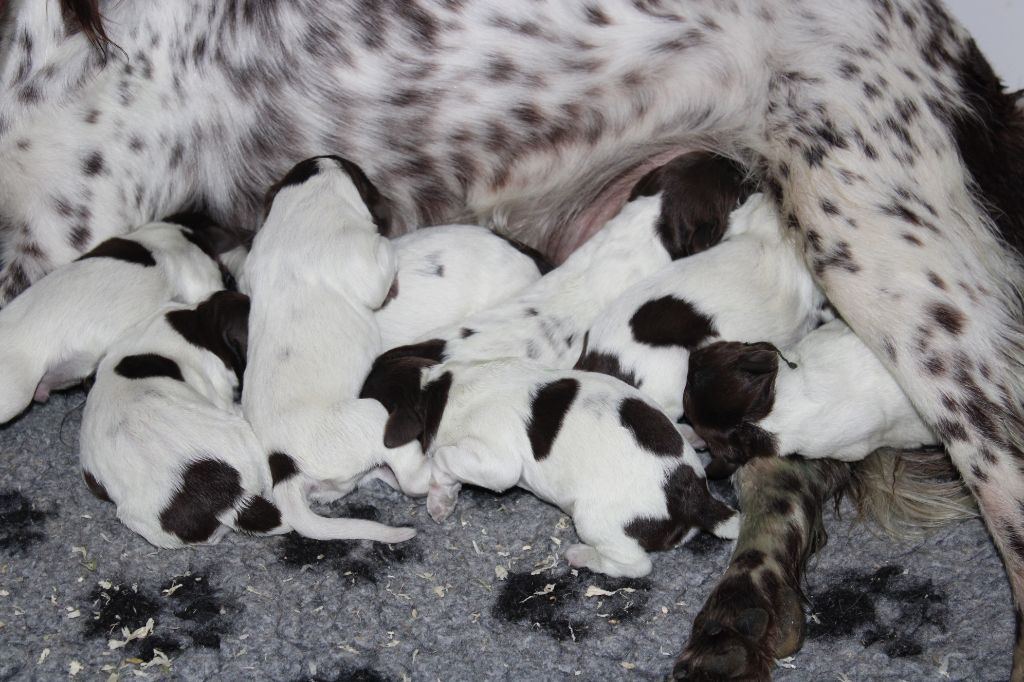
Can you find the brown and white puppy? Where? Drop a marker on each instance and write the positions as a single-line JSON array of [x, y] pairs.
[[590, 444], [53, 335], [753, 285], [162, 437], [317, 271], [828, 397], [679, 209]]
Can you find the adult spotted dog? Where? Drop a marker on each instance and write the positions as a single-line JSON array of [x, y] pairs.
[[893, 151]]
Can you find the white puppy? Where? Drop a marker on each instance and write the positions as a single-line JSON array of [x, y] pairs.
[[53, 335], [830, 397], [752, 286], [162, 437], [317, 271], [449, 272], [590, 444]]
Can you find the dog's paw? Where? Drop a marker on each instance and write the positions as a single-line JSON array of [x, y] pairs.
[[745, 625]]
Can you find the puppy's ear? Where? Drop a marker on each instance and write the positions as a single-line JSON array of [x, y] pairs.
[[759, 358], [403, 426], [376, 203], [231, 315]]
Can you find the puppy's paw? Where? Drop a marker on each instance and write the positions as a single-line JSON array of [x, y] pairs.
[[440, 502], [581, 556]]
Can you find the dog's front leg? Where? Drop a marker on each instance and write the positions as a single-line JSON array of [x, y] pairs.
[[754, 615]]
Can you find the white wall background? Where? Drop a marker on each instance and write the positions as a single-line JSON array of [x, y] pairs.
[[998, 28]]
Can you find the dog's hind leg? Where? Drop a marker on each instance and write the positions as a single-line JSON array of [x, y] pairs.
[[754, 615]]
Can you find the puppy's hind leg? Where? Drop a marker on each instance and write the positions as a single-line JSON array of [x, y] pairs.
[[471, 461], [606, 547]]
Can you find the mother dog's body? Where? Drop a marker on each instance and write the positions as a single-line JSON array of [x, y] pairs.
[[878, 126]]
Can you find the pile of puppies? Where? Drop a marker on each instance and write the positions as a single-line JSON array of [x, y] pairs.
[[448, 356]]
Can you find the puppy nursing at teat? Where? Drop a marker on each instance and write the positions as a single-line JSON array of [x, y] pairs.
[[448, 272], [162, 437], [587, 443], [826, 396], [752, 286], [317, 271], [54, 334]]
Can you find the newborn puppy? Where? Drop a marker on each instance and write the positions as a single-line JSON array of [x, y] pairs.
[[590, 444], [675, 211], [752, 286], [317, 271], [162, 437], [449, 272], [54, 333], [830, 397]]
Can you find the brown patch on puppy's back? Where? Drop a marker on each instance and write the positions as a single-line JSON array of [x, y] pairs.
[[547, 412], [670, 321], [651, 429]]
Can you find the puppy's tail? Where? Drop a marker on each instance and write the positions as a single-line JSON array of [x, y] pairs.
[[290, 495], [256, 514]]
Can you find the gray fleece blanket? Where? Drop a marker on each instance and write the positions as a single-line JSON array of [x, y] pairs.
[[484, 596]]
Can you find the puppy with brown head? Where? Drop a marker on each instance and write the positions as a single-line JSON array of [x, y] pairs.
[[829, 397], [162, 436], [730, 386]]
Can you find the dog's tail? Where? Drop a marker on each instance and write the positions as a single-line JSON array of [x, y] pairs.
[[255, 514], [910, 492], [290, 496]]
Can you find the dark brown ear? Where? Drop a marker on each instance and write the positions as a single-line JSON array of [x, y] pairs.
[[403, 426], [759, 360], [718, 469], [750, 441], [236, 334], [379, 207], [229, 311], [752, 623]]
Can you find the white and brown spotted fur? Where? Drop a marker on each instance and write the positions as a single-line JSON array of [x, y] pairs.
[[163, 437], [590, 444], [891, 147]]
